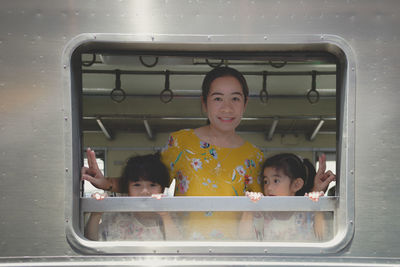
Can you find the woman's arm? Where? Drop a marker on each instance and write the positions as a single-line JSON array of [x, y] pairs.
[[92, 226], [95, 177]]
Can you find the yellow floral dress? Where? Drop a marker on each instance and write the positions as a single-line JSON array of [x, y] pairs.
[[202, 169]]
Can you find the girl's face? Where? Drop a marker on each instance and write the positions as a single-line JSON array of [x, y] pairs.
[[225, 103], [276, 183], [143, 188]]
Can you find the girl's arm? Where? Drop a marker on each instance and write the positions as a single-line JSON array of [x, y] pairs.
[[92, 226], [246, 226], [95, 177], [319, 225], [250, 226], [170, 228]]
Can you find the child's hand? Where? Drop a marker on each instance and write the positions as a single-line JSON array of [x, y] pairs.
[[314, 196], [93, 173], [158, 196], [254, 196], [323, 177], [99, 196]]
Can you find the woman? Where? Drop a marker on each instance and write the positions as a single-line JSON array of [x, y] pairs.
[[211, 160]]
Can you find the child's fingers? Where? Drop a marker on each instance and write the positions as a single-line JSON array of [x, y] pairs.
[[157, 196], [99, 196], [322, 165], [254, 196], [89, 178], [91, 157], [314, 196]]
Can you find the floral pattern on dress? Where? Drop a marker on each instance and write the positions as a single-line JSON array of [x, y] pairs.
[[213, 153], [203, 169], [204, 144], [196, 164], [249, 163], [183, 182], [170, 141], [248, 179], [211, 183], [241, 170]]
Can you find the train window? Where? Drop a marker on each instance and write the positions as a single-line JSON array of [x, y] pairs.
[[128, 96]]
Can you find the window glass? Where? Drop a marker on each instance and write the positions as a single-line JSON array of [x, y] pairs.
[[272, 226], [130, 100]]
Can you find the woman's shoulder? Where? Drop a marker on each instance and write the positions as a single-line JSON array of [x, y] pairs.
[[182, 133], [247, 146], [185, 135]]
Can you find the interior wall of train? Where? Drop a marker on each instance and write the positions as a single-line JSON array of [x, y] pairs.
[[120, 77]]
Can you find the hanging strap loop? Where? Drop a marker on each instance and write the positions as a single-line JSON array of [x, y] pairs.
[[313, 95], [90, 63], [166, 95], [148, 65], [118, 94], [277, 65], [263, 93], [214, 65]]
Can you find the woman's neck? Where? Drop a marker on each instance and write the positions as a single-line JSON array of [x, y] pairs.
[[222, 139]]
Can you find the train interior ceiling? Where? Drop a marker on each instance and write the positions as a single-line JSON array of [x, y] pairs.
[[130, 102]]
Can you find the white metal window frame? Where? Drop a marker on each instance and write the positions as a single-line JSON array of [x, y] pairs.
[[342, 206]]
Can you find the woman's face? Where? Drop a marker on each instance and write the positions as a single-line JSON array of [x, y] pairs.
[[225, 104]]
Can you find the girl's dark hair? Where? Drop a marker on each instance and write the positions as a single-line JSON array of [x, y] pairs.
[[293, 167], [144, 167], [223, 72]]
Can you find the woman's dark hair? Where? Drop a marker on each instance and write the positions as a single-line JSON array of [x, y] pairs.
[[144, 167], [223, 72], [293, 167]]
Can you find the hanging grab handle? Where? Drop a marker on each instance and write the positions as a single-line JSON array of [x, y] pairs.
[[263, 93], [277, 65], [118, 94], [148, 65], [313, 95], [214, 65], [166, 95], [90, 63]]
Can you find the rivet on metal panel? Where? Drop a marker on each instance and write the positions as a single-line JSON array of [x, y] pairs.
[[65, 118], [177, 251], [322, 37], [154, 251], [210, 250], [352, 171], [351, 221], [352, 69], [209, 37], [265, 37], [65, 66], [66, 169], [265, 250]]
